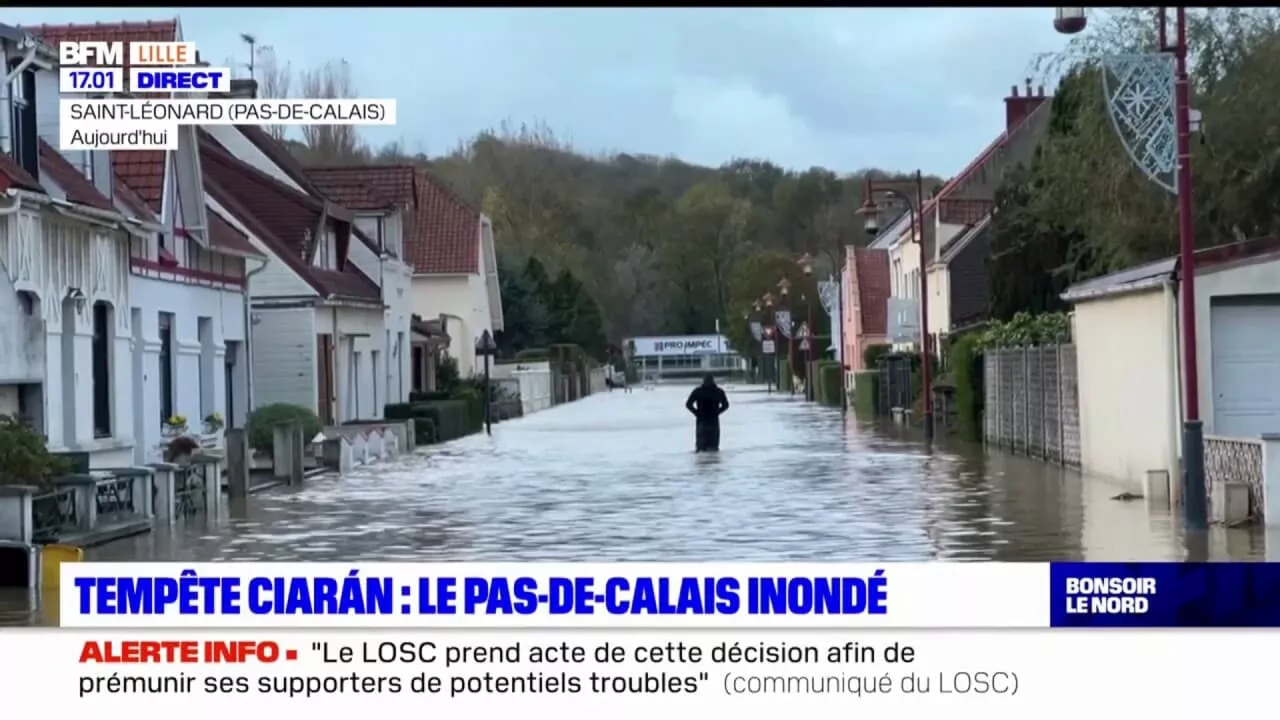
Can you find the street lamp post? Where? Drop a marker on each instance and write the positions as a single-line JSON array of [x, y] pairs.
[[806, 266], [1146, 99], [487, 348], [806, 263], [870, 211], [784, 288], [765, 303]]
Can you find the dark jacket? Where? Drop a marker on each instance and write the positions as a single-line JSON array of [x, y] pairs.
[[707, 402]]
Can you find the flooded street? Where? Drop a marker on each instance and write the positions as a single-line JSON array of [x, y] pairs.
[[614, 477]]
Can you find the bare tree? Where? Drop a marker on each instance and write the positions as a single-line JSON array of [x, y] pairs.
[[330, 143], [274, 79]]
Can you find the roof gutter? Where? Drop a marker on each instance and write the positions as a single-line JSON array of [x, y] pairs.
[[1151, 283]]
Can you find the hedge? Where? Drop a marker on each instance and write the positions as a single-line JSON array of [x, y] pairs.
[[830, 383], [261, 424], [871, 355], [424, 426], [866, 388], [416, 396], [532, 355], [967, 364]]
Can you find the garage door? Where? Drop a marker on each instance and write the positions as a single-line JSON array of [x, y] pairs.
[[1246, 368]]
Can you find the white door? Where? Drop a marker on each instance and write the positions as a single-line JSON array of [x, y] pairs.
[[1246, 368]]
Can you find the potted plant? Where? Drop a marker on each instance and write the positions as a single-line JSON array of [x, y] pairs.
[[176, 425], [213, 422]]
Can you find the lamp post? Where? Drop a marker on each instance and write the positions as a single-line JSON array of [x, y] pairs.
[[486, 347], [765, 304], [784, 289], [870, 211], [1154, 91], [806, 266]]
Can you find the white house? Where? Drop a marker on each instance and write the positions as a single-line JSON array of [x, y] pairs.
[[455, 269], [384, 200], [317, 322], [186, 278], [65, 308], [1127, 332]]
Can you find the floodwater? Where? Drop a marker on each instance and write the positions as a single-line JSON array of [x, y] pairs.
[[614, 477]]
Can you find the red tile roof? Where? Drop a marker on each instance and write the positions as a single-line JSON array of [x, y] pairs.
[[141, 170], [281, 217], [78, 188], [134, 204], [444, 237], [125, 32], [872, 268], [13, 175], [367, 187]]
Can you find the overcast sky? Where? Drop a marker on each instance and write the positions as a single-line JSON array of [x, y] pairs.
[[842, 88]]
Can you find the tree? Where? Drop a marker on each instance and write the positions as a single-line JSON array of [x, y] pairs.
[[523, 311], [331, 144], [274, 80]]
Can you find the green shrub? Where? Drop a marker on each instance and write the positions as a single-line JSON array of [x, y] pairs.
[[424, 426], [532, 355], [866, 388], [24, 457], [474, 400], [451, 418], [262, 423], [966, 363], [872, 353], [447, 375], [416, 396], [830, 383]]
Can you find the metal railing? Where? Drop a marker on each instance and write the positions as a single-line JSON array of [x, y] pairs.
[[114, 498], [53, 513], [1231, 459]]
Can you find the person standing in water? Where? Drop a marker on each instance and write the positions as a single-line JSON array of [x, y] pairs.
[[707, 402]]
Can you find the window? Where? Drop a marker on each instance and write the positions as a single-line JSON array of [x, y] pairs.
[[166, 367], [23, 120], [101, 369], [204, 330], [327, 253]]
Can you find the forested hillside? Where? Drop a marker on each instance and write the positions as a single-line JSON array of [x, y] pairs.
[[654, 243]]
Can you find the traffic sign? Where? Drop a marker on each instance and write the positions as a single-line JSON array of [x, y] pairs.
[[768, 347], [804, 344]]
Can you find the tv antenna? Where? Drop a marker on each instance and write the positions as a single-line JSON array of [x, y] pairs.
[[252, 42]]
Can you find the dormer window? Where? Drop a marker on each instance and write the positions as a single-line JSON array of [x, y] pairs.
[[327, 253], [25, 140]]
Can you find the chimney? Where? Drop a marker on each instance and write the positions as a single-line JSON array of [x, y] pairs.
[[244, 89], [1018, 107]]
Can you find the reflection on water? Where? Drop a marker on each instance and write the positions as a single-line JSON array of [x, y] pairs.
[[614, 477]]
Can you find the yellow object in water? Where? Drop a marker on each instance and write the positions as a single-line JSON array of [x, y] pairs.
[[51, 559]]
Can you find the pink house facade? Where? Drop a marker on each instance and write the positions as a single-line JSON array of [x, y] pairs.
[[865, 290]]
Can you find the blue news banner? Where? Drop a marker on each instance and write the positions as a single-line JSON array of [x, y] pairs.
[[1165, 594]]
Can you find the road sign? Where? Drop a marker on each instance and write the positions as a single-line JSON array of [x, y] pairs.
[[768, 347], [804, 344]]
